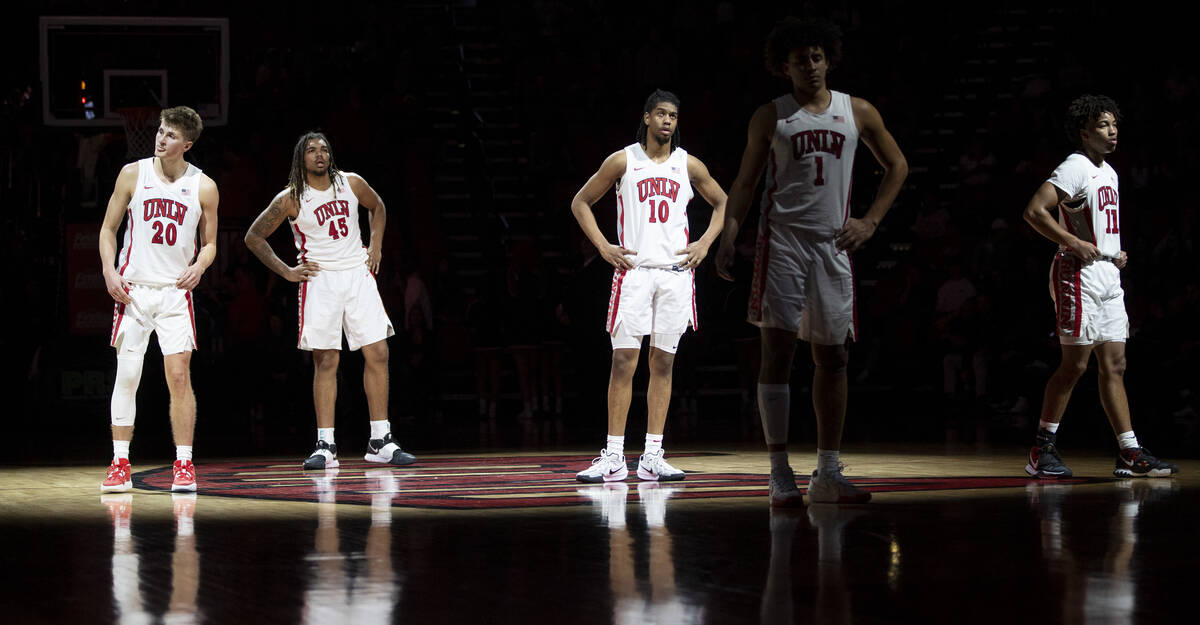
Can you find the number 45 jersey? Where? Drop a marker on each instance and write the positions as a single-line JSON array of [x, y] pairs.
[[326, 228], [160, 234], [1092, 210], [810, 165], [652, 203]]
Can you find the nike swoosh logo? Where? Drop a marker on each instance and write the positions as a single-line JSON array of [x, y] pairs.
[[638, 168], [148, 187], [791, 119]]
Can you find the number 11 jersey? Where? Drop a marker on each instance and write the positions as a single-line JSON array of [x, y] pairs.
[[326, 227]]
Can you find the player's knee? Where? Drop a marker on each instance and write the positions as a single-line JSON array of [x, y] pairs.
[[1072, 369], [831, 359], [376, 354], [624, 363], [661, 364], [129, 373], [179, 379], [1113, 366], [325, 360]]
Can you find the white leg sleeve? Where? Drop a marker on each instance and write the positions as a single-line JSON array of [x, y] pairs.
[[774, 408], [124, 397]]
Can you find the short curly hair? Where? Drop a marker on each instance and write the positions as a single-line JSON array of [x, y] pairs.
[[1085, 110], [793, 34]]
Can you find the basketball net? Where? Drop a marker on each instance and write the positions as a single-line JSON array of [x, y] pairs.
[[141, 124]]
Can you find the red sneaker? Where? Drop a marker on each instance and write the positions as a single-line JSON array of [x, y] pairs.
[[185, 476], [118, 479]]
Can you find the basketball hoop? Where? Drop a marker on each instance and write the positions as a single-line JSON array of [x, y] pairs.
[[141, 124]]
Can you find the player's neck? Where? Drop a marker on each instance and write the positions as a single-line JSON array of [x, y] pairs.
[[170, 169], [1097, 158], [318, 182], [658, 152], [813, 101]]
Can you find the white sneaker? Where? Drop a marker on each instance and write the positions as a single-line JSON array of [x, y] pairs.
[[783, 491], [607, 468], [654, 467], [834, 488]]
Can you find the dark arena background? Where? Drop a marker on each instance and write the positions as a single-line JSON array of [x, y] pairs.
[[477, 122]]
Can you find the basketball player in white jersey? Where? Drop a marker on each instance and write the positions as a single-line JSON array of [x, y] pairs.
[[803, 280], [338, 293], [1085, 284], [653, 287], [168, 203]]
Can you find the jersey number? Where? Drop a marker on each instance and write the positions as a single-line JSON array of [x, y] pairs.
[[161, 234], [820, 172], [1114, 227], [339, 229], [664, 211]]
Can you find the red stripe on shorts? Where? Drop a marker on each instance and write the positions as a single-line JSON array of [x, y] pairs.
[[303, 293], [192, 316], [614, 302]]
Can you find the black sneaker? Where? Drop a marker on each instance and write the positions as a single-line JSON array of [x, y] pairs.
[[386, 451], [1045, 462], [1139, 462], [323, 457]]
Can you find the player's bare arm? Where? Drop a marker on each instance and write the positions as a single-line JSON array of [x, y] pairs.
[[712, 193], [280, 208], [741, 194], [581, 206], [209, 198], [895, 170], [1037, 214], [370, 200], [118, 204]]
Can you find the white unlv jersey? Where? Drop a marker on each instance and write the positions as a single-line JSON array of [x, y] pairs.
[[326, 229], [1092, 211], [160, 232], [810, 165], [652, 203]]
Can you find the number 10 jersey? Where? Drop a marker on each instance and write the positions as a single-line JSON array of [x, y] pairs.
[[326, 227], [652, 203]]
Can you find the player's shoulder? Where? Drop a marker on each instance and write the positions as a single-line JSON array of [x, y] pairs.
[[618, 159]]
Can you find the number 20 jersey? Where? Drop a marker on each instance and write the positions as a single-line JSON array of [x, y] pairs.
[[160, 234], [326, 227], [652, 203], [810, 165]]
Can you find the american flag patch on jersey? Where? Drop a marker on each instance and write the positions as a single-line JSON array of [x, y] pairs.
[[183, 191], [674, 170], [839, 119]]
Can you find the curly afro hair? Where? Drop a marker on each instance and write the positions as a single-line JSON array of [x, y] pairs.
[[1087, 109], [793, 34]]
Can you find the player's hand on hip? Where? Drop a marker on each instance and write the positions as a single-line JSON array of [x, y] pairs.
[[373, 257], [725, 260], [695, 252], [854, 234], [615, 255], [117, 287], [1121, 260], [190, 278], [303, 272], [1085, 251]]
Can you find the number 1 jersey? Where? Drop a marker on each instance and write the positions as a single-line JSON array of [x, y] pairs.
[[810, 165], [326, 229]]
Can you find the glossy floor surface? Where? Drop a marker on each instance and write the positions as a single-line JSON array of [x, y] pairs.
[[512, 538]]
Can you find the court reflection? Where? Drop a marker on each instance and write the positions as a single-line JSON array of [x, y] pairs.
[[654, 597], [138, 591], [1096, 588], [352, 586], [832, 601]]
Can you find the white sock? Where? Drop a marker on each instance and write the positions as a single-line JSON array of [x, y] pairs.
[[616, 445], [827, 461], [779, 461], [1127, 440], [380, 428], [120, 449], [774, 408], [653, 443], [1049, 427], [325, 434], [183, 452]]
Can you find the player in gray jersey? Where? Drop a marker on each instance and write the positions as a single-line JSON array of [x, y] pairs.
[[803, 285]]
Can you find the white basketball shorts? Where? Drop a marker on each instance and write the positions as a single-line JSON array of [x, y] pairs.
[[652, 301], [802, 284], [1088, 301], [163, 310], [347, 300]]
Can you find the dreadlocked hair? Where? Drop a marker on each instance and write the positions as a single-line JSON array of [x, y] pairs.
[[296, 177], [1084, 110], [794, 34], [655, 98]]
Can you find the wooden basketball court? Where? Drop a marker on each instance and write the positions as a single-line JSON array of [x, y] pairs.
[[512, 538]]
